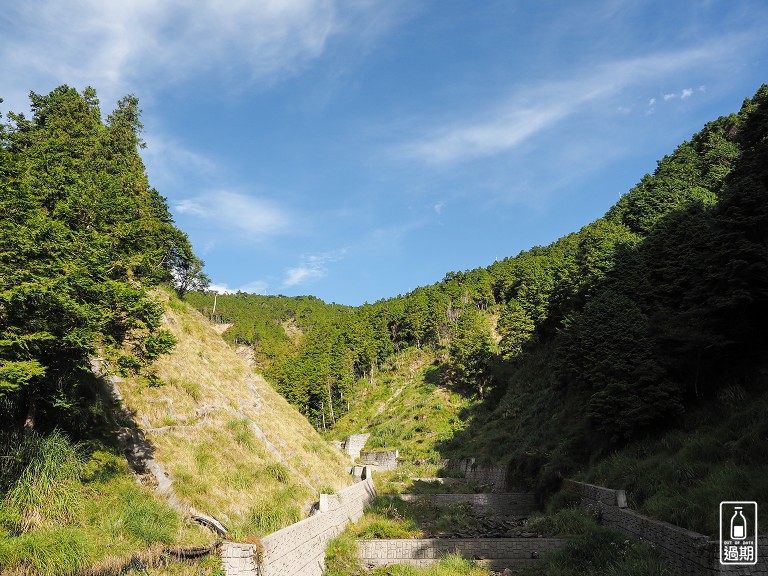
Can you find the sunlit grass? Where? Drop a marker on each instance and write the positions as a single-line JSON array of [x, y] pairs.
[[405, 408], [47, 491], [220, 413], [102, 518]]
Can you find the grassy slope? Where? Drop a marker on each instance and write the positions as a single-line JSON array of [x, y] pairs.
[[233, 446], [229, 441], [404, 408], [715, 452]]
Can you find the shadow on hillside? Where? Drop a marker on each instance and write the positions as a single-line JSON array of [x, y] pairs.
[[677, 319], [396, 517], [116, 426]]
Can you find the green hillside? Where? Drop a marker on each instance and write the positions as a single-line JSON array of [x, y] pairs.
[[630, 352], [123, 414], [623, 352]]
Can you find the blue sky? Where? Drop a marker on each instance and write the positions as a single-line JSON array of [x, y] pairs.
[[357, 150]]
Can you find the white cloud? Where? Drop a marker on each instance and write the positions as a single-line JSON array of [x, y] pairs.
[[486, 137], [255, 287], [312, 267], [116, 46], [669, 96], [686, 93], [220, 288], [652, 101], [253, 217], [301, 274], [515, 120]]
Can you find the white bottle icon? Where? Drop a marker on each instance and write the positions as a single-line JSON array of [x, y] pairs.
[[738, 525]]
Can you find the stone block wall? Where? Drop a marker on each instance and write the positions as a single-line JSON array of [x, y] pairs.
[[496, 553], [496, 504], [382, 460], [495, 477], [299, 549], [238, 559], [686, 552], [354, 444]]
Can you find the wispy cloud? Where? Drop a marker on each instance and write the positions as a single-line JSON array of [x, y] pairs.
[[516, 120], [254, 218], [312, 267], [168, 160], [115, 46], [485, 138]]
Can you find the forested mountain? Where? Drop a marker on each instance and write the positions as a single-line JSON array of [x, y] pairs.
[[609, 334]]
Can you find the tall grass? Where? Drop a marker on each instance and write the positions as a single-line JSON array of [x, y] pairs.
[[600, 552], [269, 514], [565, 522], [48, 552], [341, 557], [451, 565], [146, 520], [683, 475], [241, 432], [47, 491]]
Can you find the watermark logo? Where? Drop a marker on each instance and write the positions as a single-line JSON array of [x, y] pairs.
[[738, 533]]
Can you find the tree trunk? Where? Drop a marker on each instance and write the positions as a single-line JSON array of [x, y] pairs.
[[330, 404], [31, 420], [322, 411]]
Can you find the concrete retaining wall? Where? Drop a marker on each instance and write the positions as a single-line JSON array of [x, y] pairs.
[[687, 553], [383, 460], [496, 553], [299, 549], [354, 444], [494, 477], [498, 504]]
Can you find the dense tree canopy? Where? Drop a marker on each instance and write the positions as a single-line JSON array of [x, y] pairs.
[[82, 237], [656, 305]]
